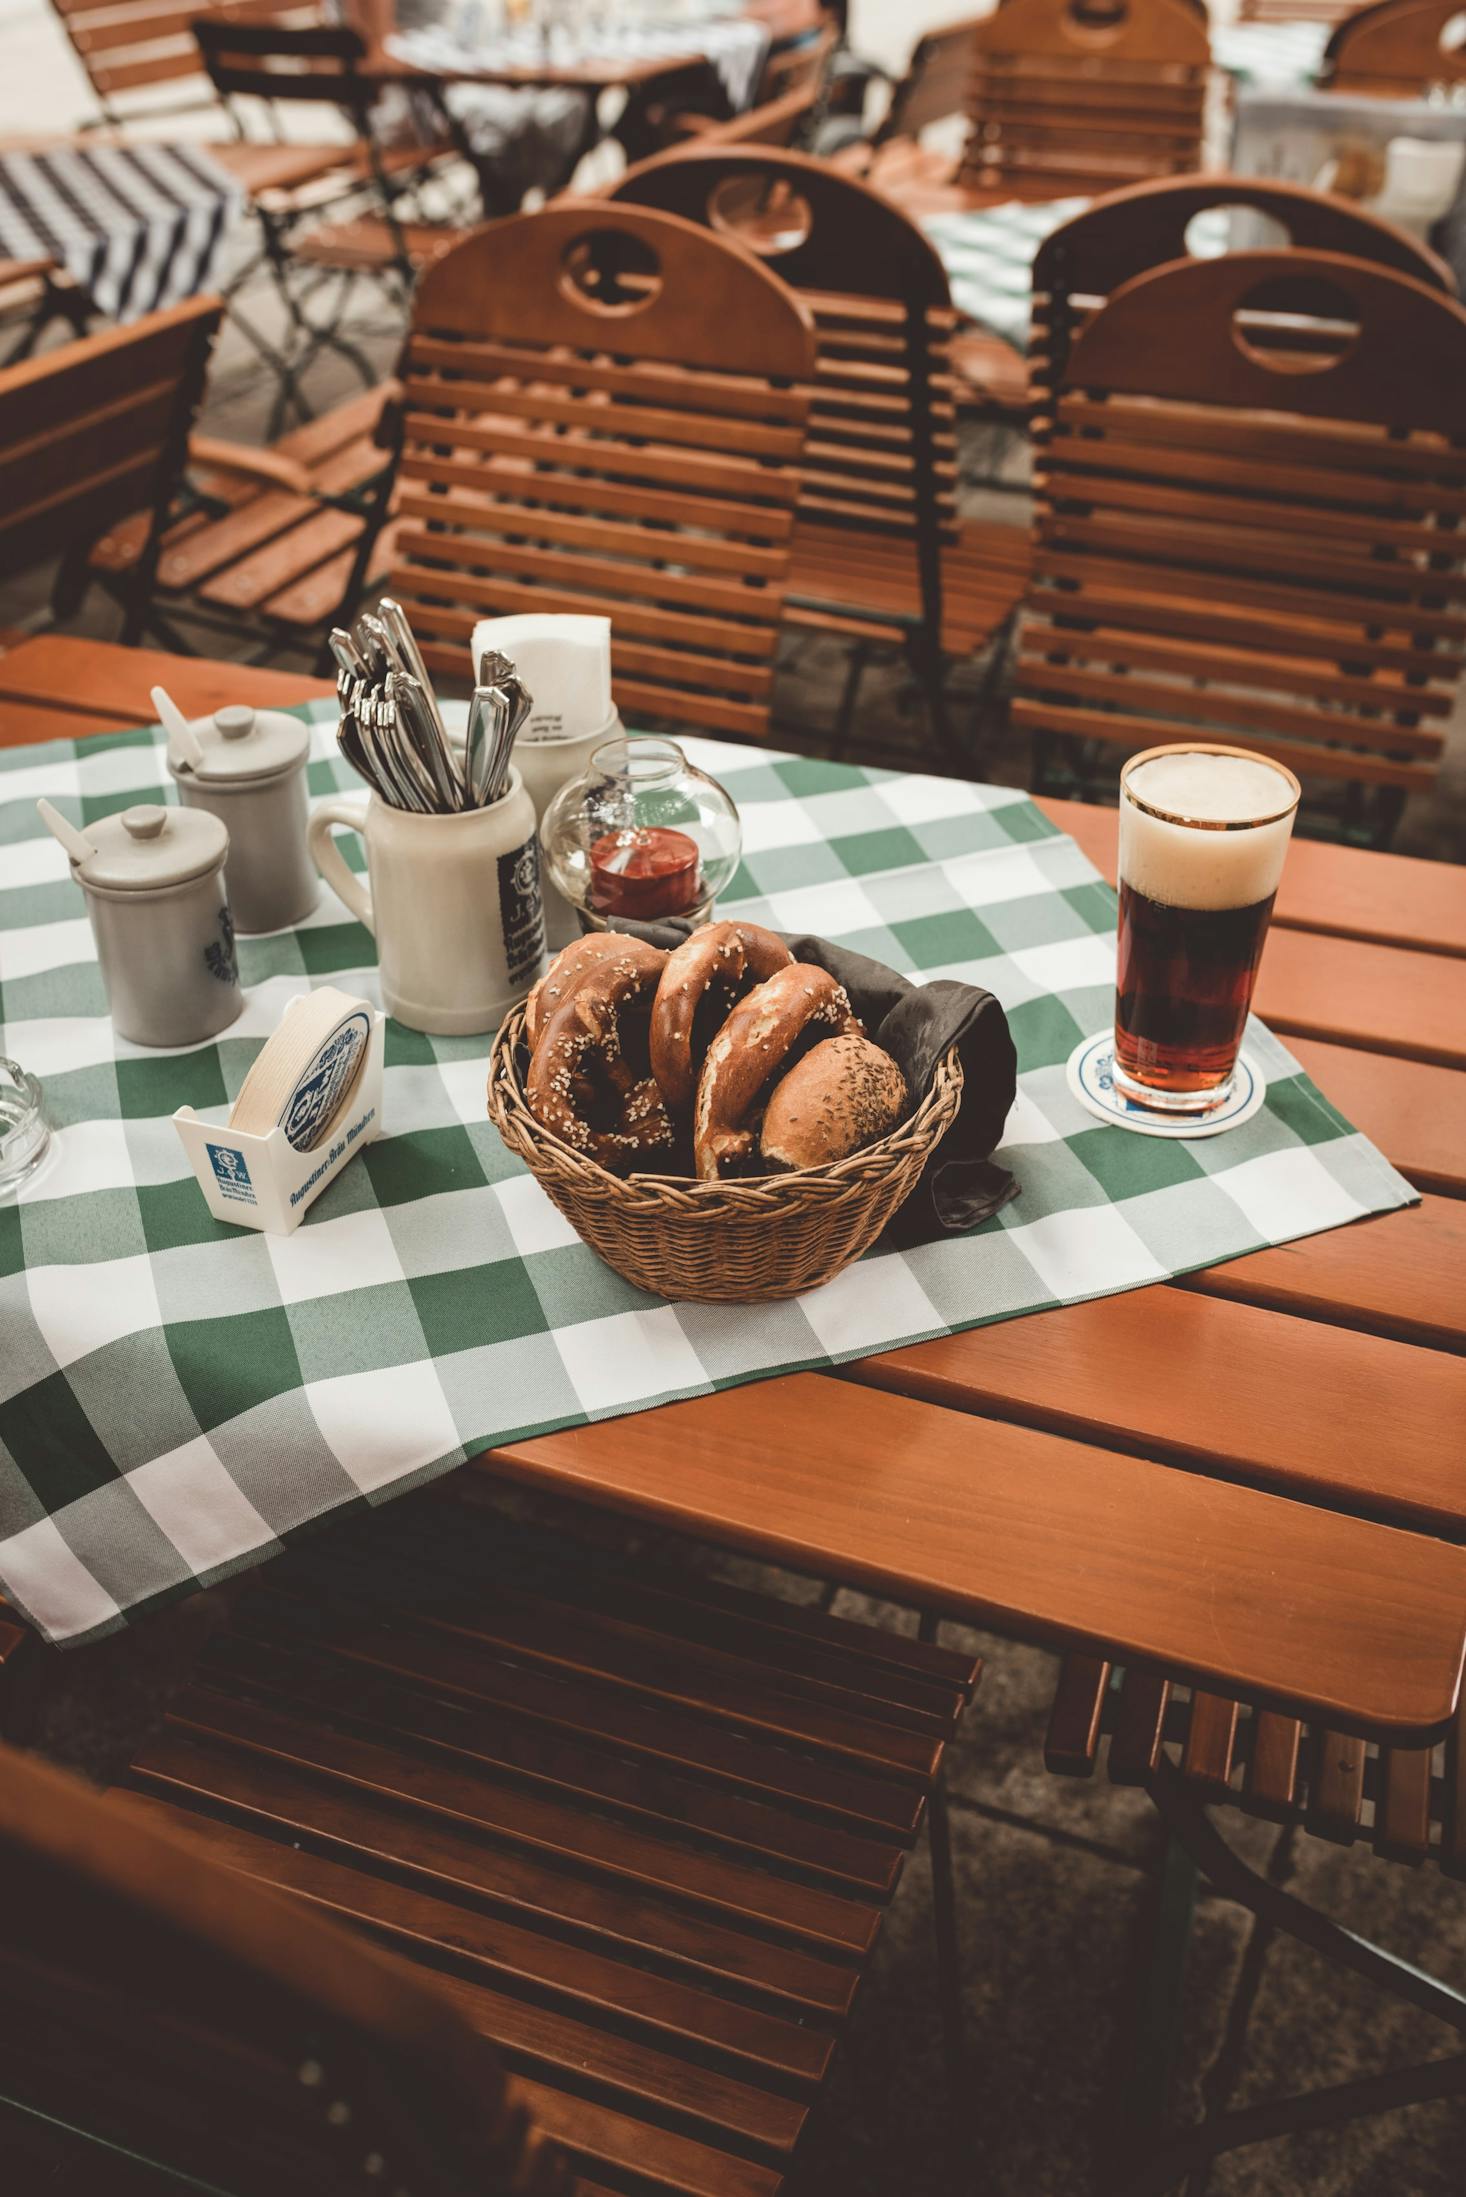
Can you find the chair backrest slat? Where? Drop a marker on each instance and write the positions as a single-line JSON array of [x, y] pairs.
[[315, 62], [1249, 517], [194, 2019], [95, 428], [604, 411], [1071, 96]]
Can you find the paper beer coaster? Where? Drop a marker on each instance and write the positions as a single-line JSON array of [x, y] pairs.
[[304, 1077], [1093, 1084]]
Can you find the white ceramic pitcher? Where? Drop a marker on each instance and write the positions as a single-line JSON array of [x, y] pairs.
[[453, 903]]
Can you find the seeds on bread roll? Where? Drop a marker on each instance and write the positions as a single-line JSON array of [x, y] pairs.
[[844, 1094]]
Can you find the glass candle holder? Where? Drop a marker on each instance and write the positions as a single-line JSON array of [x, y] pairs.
[[24, 1133], [641, 834]]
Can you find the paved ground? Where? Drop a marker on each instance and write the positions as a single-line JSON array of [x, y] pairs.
[[1053, 1877]]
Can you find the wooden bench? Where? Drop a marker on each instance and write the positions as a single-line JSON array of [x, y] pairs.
[[638, 1827]]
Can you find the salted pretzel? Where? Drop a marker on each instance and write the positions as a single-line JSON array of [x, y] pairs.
[[566, 973], [751, 1049], [722, 959], [581, 1084]]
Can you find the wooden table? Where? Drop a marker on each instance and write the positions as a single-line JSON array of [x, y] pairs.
[[1256, 1476]]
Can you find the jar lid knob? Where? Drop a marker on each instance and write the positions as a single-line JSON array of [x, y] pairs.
[[144, 822], [235, 721]]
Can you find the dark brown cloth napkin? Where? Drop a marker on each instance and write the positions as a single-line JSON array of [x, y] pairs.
[[916, 1024]]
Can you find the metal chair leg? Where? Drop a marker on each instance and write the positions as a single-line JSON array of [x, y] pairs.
[[1191, 2151], [849, 695], [948, 1957]]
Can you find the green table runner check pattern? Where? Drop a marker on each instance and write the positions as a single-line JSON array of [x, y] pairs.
[[179, 1398]]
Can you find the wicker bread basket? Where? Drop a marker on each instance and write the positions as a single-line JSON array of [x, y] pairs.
[[725, 1242]]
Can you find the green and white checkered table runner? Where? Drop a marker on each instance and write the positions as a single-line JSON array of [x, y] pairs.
[[177, 1398]]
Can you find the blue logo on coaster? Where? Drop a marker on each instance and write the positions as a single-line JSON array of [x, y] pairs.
[[231, 1173]]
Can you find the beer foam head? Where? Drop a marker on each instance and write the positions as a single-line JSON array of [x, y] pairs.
[[1183, 867]]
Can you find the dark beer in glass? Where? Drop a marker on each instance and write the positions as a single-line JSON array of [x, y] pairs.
[[1203, 833]]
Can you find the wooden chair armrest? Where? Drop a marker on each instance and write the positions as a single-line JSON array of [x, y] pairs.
[[268, 467]]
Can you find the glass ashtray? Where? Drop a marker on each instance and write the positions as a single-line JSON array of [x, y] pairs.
[[24, 1133]]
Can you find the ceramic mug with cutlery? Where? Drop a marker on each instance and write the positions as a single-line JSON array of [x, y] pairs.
[[453, 902]]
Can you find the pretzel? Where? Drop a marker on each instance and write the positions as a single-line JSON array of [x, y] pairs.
[[751, 1049], [728, 957], [581, 1085], [566, 973]]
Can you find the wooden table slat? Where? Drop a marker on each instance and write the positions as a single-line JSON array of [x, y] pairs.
[[1401, 1274], [1394, 899], [1056, 1540], [1296, 1405], [1414, 1112]]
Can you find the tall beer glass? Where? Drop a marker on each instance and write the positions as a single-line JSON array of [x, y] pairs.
[[1203, 833]]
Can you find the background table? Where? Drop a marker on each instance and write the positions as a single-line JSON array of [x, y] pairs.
[[137, 226], [1252, 1477]]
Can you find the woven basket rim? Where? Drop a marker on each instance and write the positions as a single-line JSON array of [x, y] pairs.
[[509, 1110]]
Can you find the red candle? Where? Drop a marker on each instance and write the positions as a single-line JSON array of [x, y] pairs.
[[645, 874]]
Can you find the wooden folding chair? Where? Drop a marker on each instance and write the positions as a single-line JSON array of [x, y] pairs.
[[880, 557], [1194, 1752], [638, 1828], [185, 2028], [1394, 50], [1248, 525], [1079, 96], [132, 50], [385, 236], [93, 431], [275, 545], [604, 411]]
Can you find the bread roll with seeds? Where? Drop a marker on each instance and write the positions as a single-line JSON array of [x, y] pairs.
[[846, 1093]]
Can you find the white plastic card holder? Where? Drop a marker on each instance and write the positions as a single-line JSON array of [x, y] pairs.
[[262, 1181]]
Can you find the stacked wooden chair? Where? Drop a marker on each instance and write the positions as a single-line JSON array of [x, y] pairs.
[[604, 411], [465, 1791], [1080, 96], [1394, 50], [880, 558], [1127, 233], [1253, 475], [1196, 1752]]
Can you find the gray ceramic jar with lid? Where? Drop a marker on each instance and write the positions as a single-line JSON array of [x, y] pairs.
[[247, 767], [154, 885]]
